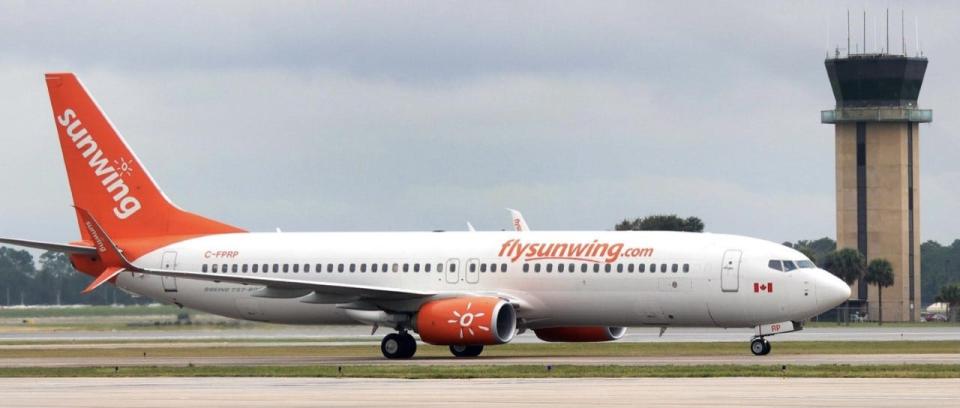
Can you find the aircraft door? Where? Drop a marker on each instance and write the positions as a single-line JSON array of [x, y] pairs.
[[473, 275], [453, 270], [730, 271], [169, 262]]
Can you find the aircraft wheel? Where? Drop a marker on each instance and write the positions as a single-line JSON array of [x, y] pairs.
[[459, 350], [408, 344], [398, 345], [759, 347]]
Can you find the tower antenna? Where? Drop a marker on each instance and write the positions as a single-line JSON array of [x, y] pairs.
[[888, 30], [903, 36], [864, 31], [848, 33]]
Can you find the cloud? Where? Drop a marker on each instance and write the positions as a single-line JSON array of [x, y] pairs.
[[333, 116]]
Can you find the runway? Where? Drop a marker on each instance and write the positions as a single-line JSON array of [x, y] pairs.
[[362, 334], [745, 359], [594, 392]]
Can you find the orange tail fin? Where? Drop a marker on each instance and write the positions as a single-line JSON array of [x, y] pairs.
[[107, 179]]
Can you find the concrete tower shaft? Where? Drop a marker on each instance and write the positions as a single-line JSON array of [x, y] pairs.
[[877, 132]]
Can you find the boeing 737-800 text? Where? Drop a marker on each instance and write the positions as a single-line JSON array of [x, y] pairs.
[[465, 290]]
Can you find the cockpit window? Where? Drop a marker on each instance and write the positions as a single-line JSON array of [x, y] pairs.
[[806, 264], [789, 266], [776, 265]]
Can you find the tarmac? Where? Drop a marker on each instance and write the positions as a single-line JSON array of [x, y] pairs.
[[745, 359], [362, 334], [574, 392]]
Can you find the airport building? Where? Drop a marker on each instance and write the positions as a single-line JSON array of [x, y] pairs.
[[876, 122]]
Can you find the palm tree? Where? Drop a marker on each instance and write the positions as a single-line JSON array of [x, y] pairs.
[[847, 264], [950, 294], [880, 273]]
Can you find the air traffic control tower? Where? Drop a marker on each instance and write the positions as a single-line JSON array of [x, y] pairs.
[[876, 122]]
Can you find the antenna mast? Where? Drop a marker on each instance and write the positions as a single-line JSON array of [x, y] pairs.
[[888, 30], [903, 36], [848, 33]]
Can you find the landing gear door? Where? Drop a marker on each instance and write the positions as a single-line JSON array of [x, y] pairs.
[[453, 271], [169, 263], [730, 271]]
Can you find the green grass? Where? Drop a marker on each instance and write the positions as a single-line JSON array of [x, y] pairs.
[[501, 371], [508, 350]]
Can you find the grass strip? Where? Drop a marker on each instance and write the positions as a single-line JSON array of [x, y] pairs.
[[500, 371]]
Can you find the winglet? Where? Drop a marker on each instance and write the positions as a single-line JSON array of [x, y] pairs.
[[519, 223], [109, 254], [470, 227]]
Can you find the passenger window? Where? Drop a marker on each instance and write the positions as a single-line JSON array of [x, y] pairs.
[[596, 268], [653, 268], [775, 265], [559, 268], [373, 268], [406, 268], [340, 268], [526, 268], [225, 268], [453, 268], [493, 267], [663, 268], [503, 268], [549, 268], [353, 268], [483, 268], [686, 268], [266, 268], [440, 267], [296, 268], [215, 268], [329, 268], [583, 268], [244, 268], [674, 268], [319, 268], [788, 266], [607, 268], [630, 268], [572, 268], [306, 268], [255, 268], [286, 268], [204, 268], [536, 268], [642, 268], [619, 268], [363, 268], [416, 267], [426, 267], [383, 268]]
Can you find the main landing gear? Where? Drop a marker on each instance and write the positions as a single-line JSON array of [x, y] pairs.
[[466, 351], [398, 345], [760, 346]]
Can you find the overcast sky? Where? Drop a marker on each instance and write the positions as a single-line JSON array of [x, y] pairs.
[[366, 116]]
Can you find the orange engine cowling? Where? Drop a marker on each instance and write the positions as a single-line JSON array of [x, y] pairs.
[[466, 321], [580, 334]]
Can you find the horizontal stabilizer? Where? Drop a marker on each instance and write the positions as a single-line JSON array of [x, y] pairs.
[[49, 246]]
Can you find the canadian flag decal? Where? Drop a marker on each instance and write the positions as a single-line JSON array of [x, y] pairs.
[[763, 287]]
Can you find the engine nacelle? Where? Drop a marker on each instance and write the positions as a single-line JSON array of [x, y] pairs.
[[580, 334], [466, 321]]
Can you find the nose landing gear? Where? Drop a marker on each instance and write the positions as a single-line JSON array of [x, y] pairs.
[[398, 345], [760, 346]]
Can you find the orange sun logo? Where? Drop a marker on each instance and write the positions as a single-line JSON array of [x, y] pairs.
[[124, 166], [466, 319]]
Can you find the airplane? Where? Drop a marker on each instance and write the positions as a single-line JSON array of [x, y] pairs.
[[465, 290]]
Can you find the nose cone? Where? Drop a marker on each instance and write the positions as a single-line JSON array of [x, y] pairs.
[[831, 290]]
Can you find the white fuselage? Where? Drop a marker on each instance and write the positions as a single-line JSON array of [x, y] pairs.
[[707, 280]]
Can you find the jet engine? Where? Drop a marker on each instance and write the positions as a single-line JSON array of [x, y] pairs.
[[580, 334], [466, 321]]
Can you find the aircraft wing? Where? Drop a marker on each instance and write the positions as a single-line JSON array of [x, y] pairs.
[[324, 288]]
